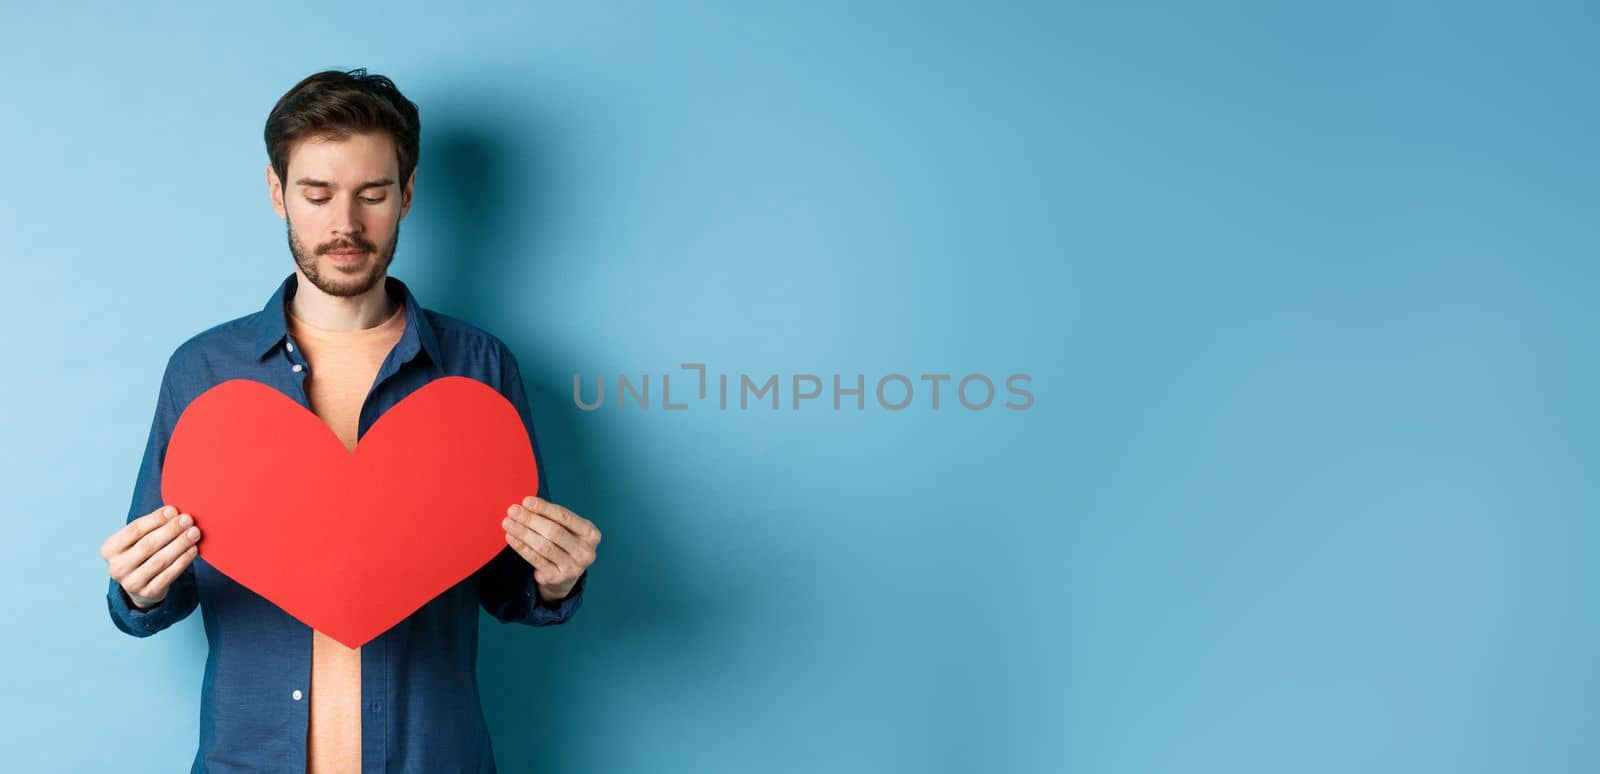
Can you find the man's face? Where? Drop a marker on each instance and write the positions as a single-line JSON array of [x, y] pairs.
[[343, 206]]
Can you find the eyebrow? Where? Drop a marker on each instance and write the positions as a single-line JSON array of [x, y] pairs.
[[379, 183]]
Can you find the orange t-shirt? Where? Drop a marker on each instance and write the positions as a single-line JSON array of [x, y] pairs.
[[342, 367]]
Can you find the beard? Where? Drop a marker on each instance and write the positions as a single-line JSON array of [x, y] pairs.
[[343, 281]]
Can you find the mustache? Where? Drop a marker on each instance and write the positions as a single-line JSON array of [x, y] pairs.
[[335, 248]]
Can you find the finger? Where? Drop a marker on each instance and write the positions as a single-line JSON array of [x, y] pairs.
[[527, 518], [144, 579], [521, 535], [128, 561], [544, 569], [547, 537], [134, 530], [577, 525], [181, 526], [539, 525], [174, 532], [164, 580]]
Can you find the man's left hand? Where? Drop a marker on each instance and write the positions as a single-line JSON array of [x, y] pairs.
[[558, 543]]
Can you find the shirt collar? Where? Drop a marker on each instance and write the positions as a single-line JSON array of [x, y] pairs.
[[272, 325]]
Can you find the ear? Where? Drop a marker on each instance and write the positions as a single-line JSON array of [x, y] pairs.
[[405, 193], [275, 191]]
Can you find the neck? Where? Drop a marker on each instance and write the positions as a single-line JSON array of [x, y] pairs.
[[340, 313]]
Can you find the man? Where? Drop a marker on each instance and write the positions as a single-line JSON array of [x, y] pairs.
[[348, 342]]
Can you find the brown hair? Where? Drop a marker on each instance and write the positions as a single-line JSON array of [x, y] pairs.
[[333, 104]]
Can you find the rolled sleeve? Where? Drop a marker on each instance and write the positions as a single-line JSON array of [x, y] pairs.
[[179, 602], [507, 588], [182, 596], [545, 612]]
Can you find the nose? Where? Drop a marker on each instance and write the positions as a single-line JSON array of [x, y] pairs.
[[347, 219]]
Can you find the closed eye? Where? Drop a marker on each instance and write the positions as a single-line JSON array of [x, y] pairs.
[[378, 200]]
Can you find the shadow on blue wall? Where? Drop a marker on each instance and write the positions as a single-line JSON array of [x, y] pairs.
[[534, 680]]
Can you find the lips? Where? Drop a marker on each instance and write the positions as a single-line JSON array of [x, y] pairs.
[[345, 257]]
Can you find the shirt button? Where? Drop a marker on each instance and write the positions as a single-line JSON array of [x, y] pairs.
[[289, 345], [297, 368], [376, 706], [297, 694]]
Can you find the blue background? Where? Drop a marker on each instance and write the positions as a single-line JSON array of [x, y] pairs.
[[1306, 294]]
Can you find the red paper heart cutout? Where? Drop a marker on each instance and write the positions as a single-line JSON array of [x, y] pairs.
[[349, 544]]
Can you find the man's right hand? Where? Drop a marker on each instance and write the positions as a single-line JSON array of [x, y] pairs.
[[148, 554]]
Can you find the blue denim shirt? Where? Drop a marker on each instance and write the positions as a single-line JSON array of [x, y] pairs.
[[419, 688]]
